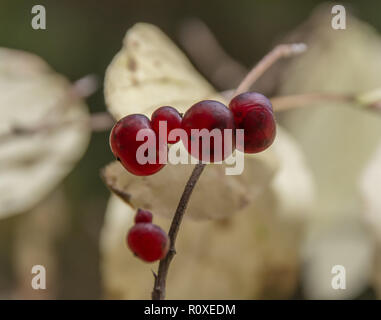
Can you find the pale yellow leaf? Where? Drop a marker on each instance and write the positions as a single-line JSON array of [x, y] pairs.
[[32, 164], [149, 72], [251, 255], [347, 244], [337, 140]]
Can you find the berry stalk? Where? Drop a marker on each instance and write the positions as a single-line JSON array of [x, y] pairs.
[[280, 51], [158, 292]]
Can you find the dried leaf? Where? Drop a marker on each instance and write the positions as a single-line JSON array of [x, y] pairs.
[[370, 187], [216, 195], [33, 163], [344, 243], [150, 71], [337, 141]]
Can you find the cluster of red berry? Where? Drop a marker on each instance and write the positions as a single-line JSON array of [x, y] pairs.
[[249, 111]]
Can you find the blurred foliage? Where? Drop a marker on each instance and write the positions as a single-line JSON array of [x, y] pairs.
[[81, 38]]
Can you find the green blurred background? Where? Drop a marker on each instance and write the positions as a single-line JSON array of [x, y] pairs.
[[81, 38]]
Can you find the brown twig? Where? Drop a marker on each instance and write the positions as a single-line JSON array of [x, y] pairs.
[[98, 122], [283, 103], [280, 51], [79, 89], [158, 292]]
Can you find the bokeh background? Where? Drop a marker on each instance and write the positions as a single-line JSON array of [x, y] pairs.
[[81, 38]]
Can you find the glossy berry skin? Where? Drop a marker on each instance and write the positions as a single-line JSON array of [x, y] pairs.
[[208, 114], [148, 241], [143, 216], [240, 105], [124, 145], [168, 114], [253, 112], [259, 130]]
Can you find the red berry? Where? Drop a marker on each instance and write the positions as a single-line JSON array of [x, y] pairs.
[[124, 145], [210, 115], [171, 116], [240, 105], [253, 113], [148, 241], [143, 216]]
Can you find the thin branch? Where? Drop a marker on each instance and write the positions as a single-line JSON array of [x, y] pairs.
[[98, 122], [283, 103], [158, 292], [280, 51], [368, 101], [79, 89], [101, 121]]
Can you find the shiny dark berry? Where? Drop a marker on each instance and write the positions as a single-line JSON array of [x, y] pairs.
[[143, 216], [148, 242], [172, 118], [124, 144], [254, 114], [215, 117]]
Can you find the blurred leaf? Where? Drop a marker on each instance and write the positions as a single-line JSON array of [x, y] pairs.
[[345, 243], [370, 187], [150, 71], [36, 237], [33, 163], [337, 140], [216, 195], [251, 255]]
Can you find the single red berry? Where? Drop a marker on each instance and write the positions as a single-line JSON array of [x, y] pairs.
[[240, 105], [253, 112], [171, 116], [215, 117], [143, 216], [148, 241], [124, 145]]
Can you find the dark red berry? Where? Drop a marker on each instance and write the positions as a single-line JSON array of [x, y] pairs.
[[259, 130], [253, 113], [209, 115], [143, 216], [148, 241], [172, 118], [240, 105], [124, 144]]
